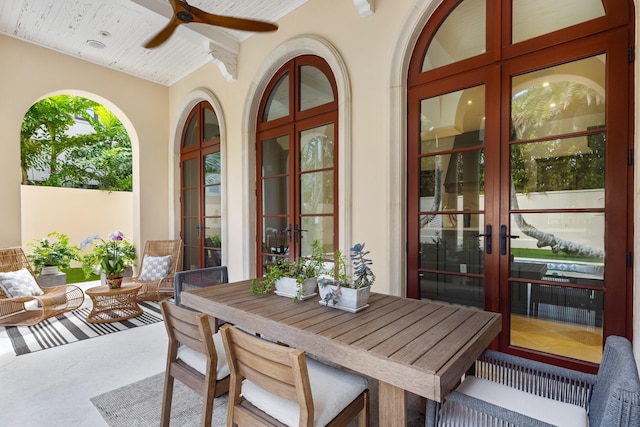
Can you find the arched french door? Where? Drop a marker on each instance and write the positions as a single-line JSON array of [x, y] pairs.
[[518, 172], [200, 189], [297, 162]]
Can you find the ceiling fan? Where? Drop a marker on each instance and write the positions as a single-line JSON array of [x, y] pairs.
[[184, 13]]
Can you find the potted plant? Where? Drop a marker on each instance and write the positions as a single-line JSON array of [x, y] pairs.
[[296, 279], [111, 257], [347, 291], [52, 253]]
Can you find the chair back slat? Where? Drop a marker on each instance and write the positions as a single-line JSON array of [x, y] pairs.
[[275, 368], [188, 328]]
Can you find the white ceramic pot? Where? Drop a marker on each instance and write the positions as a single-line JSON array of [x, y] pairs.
[[348, 299], [49, 269], [288, 287]]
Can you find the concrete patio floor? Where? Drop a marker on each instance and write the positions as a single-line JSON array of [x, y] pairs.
[[52, 387]]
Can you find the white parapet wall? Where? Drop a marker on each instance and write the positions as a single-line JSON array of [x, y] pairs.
[[75, 212]]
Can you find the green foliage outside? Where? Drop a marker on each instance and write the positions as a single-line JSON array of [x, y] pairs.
[[53, 250], [101, 159], [76, 275]]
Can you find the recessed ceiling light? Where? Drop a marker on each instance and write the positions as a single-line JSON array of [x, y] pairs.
[[96, 44]]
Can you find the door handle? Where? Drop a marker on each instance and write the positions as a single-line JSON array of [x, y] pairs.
[[503, 239], [297, 233], [488, 247]]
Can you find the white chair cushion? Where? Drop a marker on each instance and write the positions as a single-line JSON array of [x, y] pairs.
[[332, 390], [550, 411], [154, 267], [19, 284], [198, 361]]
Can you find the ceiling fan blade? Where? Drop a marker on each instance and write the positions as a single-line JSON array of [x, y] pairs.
[[183, 12], [242, 24], [164, 34]]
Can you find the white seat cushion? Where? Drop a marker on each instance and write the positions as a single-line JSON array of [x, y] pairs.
[[198, 361], [332, 390], [550, 411]]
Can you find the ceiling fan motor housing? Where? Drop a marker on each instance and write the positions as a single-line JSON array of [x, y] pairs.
[[184, 16]]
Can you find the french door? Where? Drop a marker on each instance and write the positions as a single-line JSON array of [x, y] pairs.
[[518, 178], [201, 182], [297, 163]]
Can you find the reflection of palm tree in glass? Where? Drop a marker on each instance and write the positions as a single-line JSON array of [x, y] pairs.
[[212, 168], [316, 183], [544, 110]]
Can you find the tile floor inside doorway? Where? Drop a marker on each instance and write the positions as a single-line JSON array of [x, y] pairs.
[[566, 339]]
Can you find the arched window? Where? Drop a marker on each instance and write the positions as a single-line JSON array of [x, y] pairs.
[[200, 185], [297, 161], [518, 138]]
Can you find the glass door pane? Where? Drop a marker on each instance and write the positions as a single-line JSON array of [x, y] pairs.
[[212, 210], [556, 233], [275, 199], [535, 18], [451, 207], [190, 212], [461, 36], [317, 188]]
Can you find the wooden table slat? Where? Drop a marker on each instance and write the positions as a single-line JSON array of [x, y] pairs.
[[413, 350]]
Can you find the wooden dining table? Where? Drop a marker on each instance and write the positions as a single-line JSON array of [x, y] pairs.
[[419, 346]]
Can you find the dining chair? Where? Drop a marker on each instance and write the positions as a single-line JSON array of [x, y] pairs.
[[275, 385], [198, 278], [192, 359], [159, 263], [512, 391], [23, 302]]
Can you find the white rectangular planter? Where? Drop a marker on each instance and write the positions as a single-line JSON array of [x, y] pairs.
[[349, 299], [288, 287]]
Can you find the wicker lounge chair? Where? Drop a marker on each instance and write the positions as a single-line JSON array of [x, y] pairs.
[[31, 309], [512, 391], [157, 285]]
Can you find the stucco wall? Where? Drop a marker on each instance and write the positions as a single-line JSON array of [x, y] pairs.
[[75, 212]]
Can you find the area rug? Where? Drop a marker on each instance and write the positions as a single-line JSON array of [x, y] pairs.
[[139, 404], [72, 327]]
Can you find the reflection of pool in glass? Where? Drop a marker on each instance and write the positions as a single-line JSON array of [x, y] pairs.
[[568, 269]]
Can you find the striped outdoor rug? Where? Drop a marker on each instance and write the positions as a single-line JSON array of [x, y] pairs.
[[71, 327]]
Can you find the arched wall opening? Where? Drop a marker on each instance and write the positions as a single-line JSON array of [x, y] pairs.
[[85, 212]]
